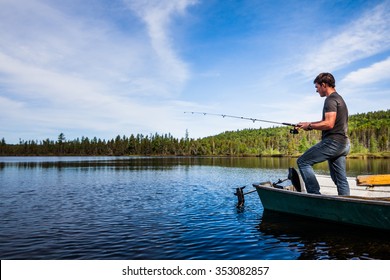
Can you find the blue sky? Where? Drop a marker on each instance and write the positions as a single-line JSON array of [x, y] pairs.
[[119, 67]]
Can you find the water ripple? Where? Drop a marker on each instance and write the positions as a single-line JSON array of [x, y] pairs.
[[162, 209]]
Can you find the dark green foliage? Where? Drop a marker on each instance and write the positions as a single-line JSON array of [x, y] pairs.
[[369, 133]]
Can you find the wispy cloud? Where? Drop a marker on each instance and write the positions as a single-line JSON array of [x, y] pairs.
[[116, 67], [60, 71], [47, 38], [364, 37], [158, 15], [375, 73]]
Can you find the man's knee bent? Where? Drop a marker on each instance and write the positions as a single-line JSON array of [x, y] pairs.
[[301, 162]]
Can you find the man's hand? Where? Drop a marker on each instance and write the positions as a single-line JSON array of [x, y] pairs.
[[303, 125]]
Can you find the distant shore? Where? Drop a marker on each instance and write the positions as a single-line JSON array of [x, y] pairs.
[[382, 155]]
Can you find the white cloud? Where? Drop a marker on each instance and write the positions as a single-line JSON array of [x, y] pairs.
[[60, 72], [47, 38], [364, 37], [157, 16], [65, 102], [375, 73], [101, 72]]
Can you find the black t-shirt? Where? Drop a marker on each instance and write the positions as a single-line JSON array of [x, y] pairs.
[[335, 103]]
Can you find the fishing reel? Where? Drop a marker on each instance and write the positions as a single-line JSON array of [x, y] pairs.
[[294, 131]]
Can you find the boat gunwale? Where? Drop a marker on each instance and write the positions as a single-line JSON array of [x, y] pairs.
[[366, 200]]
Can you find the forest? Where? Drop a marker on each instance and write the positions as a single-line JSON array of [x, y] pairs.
[[369, 134]]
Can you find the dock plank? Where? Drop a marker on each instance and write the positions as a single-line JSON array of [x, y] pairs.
[[373, 180]]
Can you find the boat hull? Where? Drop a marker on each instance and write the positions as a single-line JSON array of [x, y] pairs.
[[349, 210]]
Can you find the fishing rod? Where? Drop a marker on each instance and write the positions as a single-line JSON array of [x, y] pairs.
[[292, 131]]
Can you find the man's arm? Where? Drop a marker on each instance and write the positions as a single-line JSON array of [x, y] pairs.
[[326, 124]]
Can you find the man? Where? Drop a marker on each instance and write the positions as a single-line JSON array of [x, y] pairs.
[[334, 145]]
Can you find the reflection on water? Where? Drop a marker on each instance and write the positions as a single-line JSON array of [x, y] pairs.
[[162, 208], [315, 239], [354, 166]]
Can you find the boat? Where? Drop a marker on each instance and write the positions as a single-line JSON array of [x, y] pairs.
[[367, 206]]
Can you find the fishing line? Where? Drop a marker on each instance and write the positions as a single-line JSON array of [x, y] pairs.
[[293, 130]]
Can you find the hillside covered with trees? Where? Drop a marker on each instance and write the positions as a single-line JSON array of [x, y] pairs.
[[369, 134]]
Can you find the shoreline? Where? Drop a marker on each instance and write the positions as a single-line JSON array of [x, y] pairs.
[[383, 155]]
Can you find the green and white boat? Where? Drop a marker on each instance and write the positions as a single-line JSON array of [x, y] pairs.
[[368, 205]]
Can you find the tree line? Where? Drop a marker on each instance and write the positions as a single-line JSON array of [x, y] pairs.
[[369, 133]]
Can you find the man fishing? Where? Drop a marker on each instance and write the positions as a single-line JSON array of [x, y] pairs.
[[334, 145]]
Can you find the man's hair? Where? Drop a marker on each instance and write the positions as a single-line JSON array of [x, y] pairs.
[[326, 78]]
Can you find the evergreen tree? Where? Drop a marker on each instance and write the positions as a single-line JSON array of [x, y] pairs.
[[369, 132]]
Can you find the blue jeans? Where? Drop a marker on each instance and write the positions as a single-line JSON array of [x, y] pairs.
[[335, 153]]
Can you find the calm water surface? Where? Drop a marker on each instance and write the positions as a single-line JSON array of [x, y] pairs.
[[163, 208]]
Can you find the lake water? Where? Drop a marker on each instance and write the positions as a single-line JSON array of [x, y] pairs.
[[164, 208]]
